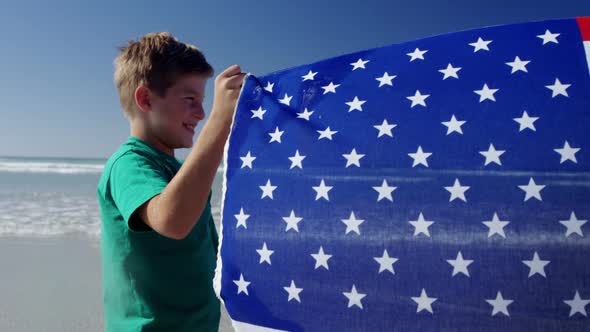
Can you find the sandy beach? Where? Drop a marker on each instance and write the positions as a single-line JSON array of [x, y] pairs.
[[53, 284]]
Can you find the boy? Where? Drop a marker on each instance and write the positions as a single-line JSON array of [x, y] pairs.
[[158, 239]]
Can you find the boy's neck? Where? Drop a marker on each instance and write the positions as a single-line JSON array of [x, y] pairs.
[[151, 140]]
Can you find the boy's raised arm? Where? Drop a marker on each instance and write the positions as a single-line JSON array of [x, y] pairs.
[[175, 211]]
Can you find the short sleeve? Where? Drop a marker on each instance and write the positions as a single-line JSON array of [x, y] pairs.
[[134, 180]]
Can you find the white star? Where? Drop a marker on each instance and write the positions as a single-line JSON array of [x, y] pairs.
[[355, 104], [420, 157], [526, 121], [292, 222], [286, 100], [454, 125], [386, 262], [450, 71], [267, 189], [354, 298], [353, 158], [557, 88], [385, 128], [421, 225], [242, 285], [247, 160], [517, 65], [499, 304], [269, 86], [486, 93], [385, 191], [536, 265], [574, 225], [305, 114], [457, 191], [424, 302], [326, 133], [460, 265], [549, 37], [417, 54], [264, 253], [276, 136], [567, 153], [480, 44], [330, 88], [359, 64], [418, 99], [322, 191], [496, 226], [296, 160], [532, 190], [241, 218], [385, 79], [293, 292], [577, 304], [352, 224], [259, 113], [310, 76], [492, 155], [321, 259]]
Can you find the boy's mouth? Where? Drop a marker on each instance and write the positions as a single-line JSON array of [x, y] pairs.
[[189, 126]]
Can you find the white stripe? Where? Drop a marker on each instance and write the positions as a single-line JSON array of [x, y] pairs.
[[244, 327], [587, 48]]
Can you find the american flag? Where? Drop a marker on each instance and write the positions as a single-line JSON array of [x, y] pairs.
[[438, 184]]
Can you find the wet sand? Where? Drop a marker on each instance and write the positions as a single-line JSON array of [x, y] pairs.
[[53, 284]]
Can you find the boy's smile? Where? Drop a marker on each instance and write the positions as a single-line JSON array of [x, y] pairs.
[[190, 126]]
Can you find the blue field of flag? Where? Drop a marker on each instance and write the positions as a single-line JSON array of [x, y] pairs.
[[438, 184]]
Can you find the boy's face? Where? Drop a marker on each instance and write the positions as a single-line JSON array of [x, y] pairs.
[[174, 117]]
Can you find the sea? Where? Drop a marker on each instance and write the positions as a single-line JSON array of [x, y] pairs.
[[52, 197]]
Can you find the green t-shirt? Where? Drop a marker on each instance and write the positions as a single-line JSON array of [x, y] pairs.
[[151, 282]]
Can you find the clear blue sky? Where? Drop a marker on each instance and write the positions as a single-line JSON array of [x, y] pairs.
[[57, 96]]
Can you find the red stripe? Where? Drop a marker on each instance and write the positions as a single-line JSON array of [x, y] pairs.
[[584, 24]]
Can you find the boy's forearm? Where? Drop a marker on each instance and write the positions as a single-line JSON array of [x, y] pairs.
[[184, 198]]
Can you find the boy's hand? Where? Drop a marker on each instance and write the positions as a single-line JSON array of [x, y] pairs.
[[227, 90]]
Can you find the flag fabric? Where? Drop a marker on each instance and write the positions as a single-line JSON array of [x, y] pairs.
[[438, 184]]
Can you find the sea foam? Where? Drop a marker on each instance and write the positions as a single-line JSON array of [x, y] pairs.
[[48, 167]]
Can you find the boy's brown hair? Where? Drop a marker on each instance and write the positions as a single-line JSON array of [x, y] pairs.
[[156, 60]]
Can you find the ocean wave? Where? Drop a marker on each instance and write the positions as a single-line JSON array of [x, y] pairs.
[[13, 229], [48, 214], [49, 167], [55, 167], [55, 214]]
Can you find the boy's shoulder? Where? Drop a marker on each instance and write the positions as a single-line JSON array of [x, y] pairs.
[[129, 150], [123, 150], [133, 156], [128, 154]]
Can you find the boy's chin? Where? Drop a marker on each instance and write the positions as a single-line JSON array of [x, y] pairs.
[[188, 144], [182, 145], [183, 141]]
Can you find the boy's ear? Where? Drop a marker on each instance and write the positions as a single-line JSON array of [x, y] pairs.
[[142, 98]]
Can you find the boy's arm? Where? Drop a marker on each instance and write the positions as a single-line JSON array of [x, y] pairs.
[[175, 211]]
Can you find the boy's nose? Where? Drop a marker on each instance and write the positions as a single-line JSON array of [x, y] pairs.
[[199, 113]]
